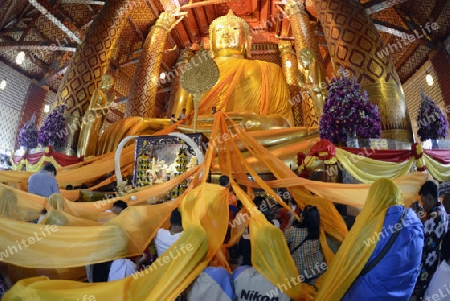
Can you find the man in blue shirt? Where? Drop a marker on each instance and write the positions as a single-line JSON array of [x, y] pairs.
[[44, 182]]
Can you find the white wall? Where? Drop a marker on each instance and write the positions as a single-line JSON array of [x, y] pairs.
[[11, 103]]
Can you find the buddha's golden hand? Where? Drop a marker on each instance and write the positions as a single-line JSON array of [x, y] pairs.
[[248, 120]]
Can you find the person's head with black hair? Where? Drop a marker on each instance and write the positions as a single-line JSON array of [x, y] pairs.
[[430, 195], [100, 271], [69, 187], [119, 206], [445, 247], [224, 181], [176, 223], [309, 219], [261, 203], [50, 168], [175, 218]]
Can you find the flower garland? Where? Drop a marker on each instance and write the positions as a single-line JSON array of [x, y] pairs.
[[28, 134], [53, 131], [348, 111], [430, 120]]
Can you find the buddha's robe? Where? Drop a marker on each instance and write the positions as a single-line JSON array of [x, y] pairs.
[[249, 86]]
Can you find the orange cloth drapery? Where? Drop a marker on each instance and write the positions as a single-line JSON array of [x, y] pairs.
[[204, 209]]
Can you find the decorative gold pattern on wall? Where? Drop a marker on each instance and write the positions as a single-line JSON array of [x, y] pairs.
[[141, 101], [49, 30], [416, 58], [92, 58], [353, 42], [301, 29]]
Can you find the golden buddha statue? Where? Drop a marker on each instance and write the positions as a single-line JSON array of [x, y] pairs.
[[93, 119], [245, 86], [311, 78], [252, 92]]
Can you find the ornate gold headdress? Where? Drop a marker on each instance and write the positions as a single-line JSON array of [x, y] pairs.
[[230, 16]]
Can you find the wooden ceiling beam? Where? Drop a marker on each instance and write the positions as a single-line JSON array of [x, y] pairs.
[[49, 12], [437, 10], [7, 32], [135, 28], [153, 8], [41, 64], [376, 6], [210, 12], [10, 5], [16, 67], [52, 75], [405, 57], [192, 27], [87, 2], [265, 14], [400, 32], [37, 45], [411, 23], [200, 15], [29, 27]]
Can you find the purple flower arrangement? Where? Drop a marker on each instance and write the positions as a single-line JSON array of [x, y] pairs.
[[348, 112], [430, 120], [28, 134], [53, 131]]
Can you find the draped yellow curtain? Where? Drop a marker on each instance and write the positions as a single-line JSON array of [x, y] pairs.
[[440, 172], [29, 206], [368, 170], [205, 217], [204, 208]]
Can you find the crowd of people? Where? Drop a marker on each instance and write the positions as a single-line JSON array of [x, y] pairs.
[[392, 252]]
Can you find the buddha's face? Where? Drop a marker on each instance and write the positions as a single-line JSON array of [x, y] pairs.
[[228, 38]]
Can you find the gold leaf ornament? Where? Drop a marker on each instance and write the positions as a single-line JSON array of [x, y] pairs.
[[202, 75]]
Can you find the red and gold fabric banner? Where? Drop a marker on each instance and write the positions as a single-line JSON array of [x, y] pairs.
[[369, 164], [33, 161]]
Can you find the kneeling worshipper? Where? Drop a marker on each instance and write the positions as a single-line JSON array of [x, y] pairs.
[[165, 238], [249, 284], [380, 257], [214, 283]]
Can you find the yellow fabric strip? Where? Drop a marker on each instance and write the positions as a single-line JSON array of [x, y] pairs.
[[353, 254], [205, 216], [439, 171], [368, 170]]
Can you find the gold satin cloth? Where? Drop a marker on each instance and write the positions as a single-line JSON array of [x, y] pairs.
[[204, 208], [264, 93]]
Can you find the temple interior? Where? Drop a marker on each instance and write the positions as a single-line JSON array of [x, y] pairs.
[[182, 145]]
